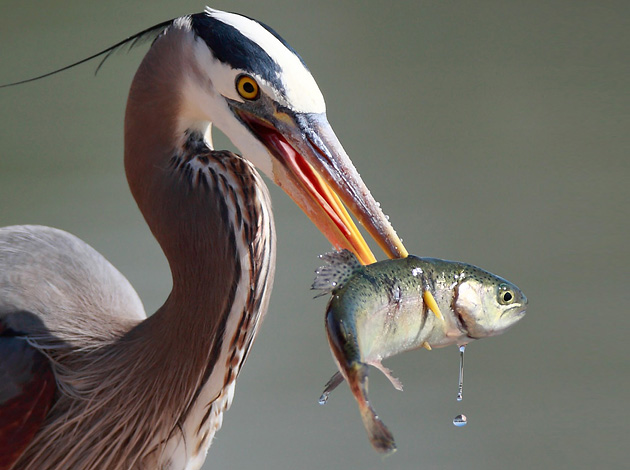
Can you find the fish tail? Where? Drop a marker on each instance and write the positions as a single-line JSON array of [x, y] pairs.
[[340, 266], [380, 437]]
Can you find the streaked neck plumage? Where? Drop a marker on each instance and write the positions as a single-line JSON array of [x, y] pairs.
[[210, 212]]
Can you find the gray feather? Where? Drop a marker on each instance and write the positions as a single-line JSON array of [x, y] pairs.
[[63, 281]]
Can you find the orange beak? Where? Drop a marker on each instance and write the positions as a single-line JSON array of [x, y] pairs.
[[312, 167]]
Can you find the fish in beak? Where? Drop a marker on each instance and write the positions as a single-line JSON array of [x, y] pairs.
[[312, 167]]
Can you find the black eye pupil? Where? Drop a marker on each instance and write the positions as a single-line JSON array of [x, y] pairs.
[[248, 87], [507, 297]]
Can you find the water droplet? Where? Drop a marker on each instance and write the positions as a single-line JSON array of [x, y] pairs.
[[460, 388], [386, 217], [460, 420], [324, 398]]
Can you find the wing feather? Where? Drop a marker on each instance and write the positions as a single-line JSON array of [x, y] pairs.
[[27, 390]]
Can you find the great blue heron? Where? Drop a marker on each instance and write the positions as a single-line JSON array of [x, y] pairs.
[[87, 380]]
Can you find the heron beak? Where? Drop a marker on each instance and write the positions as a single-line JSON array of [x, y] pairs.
[[313, 168]]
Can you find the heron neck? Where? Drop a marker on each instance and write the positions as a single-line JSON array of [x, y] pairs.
[[186, 223], [216, 232]]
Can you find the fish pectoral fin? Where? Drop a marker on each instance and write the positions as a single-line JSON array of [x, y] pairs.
[[332, 384], [388, 373], [430, 302]]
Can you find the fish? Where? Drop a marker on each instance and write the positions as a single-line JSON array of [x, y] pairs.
[[390, 307]]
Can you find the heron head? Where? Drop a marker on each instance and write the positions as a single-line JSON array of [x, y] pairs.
[[254, 87]]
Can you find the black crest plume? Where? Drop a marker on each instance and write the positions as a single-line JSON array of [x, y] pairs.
[[149, 34]]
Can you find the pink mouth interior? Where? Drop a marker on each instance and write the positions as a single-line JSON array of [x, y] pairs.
[[304, 172]]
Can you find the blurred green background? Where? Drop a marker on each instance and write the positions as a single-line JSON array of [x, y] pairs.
[[492, 132]]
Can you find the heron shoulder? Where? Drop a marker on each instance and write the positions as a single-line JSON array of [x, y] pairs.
[[61, 280]]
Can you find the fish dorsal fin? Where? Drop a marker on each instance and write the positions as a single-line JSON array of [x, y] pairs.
[[340, 266]]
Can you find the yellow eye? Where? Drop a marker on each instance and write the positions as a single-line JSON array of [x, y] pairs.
[[247, 87]]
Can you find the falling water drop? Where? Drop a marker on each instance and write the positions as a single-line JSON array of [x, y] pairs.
[[324, 398], [460, 388], [460, 420]]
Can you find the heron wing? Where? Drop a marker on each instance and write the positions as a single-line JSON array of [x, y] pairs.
[[55, 292], [63, 281], [27, 390]]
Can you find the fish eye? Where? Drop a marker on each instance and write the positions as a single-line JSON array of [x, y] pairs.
[[506, 295], [247, 87]]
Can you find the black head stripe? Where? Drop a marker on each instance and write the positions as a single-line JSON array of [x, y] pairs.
[[279, 38], [231, 47]]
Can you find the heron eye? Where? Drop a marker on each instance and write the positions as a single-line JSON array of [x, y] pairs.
[[247, 87]]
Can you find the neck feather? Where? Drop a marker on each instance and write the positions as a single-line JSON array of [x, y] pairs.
[[210, 212]]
